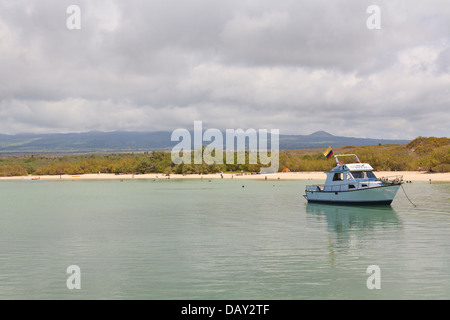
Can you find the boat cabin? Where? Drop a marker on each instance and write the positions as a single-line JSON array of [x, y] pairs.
[[349, 176]]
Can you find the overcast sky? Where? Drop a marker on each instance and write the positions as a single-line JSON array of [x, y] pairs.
[[297, 66]]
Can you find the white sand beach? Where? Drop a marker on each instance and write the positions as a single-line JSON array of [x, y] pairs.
[[407, 176]]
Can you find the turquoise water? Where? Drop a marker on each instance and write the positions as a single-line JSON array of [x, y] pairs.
[[195, 239]]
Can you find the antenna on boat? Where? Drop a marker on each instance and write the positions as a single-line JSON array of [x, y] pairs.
[[345, 155], [337, 160]]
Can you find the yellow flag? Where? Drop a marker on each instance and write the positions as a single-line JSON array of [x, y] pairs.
[[328, 153]]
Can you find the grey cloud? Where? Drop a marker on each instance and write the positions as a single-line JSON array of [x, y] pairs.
[[300, 66]]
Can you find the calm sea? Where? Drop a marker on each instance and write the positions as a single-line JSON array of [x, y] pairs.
[[218, 239]]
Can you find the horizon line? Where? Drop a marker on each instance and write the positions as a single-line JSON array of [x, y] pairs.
[[192, 130]]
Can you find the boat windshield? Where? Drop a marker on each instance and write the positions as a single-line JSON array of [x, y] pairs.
[[363, 175]]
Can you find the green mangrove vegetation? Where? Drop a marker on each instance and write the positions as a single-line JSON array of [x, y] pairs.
[[423, 153]]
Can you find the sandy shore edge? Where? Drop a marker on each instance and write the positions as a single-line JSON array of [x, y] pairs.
[[407, 176]]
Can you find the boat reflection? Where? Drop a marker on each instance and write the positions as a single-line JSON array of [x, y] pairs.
[[352, 231], [342, 219]]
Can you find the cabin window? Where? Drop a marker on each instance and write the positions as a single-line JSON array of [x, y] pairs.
[[363, 175], [358, 175], [371, 175], [351, 186], [337, 176]]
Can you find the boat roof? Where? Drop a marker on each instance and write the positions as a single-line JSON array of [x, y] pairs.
[[352, 167]]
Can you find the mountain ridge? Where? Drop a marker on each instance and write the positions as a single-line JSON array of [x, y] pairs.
[[128, 141], [321, 133]]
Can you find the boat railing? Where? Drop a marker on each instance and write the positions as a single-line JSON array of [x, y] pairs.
[[355, 185], [395, 179], [315, 187], [338, 187]]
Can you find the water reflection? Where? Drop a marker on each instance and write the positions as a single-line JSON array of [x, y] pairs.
[[353, 230], [341, 219]]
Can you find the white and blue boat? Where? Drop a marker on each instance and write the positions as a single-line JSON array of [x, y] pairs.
[[354, 184]]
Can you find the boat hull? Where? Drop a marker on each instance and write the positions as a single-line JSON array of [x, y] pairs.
[[383, 195]]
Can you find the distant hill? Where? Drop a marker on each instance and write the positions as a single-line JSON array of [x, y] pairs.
[[123, 141], [322, 139]]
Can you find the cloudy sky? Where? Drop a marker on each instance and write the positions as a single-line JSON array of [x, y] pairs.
[[298, 66]]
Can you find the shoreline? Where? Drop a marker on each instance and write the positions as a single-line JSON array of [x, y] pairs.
[[407, 176]]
